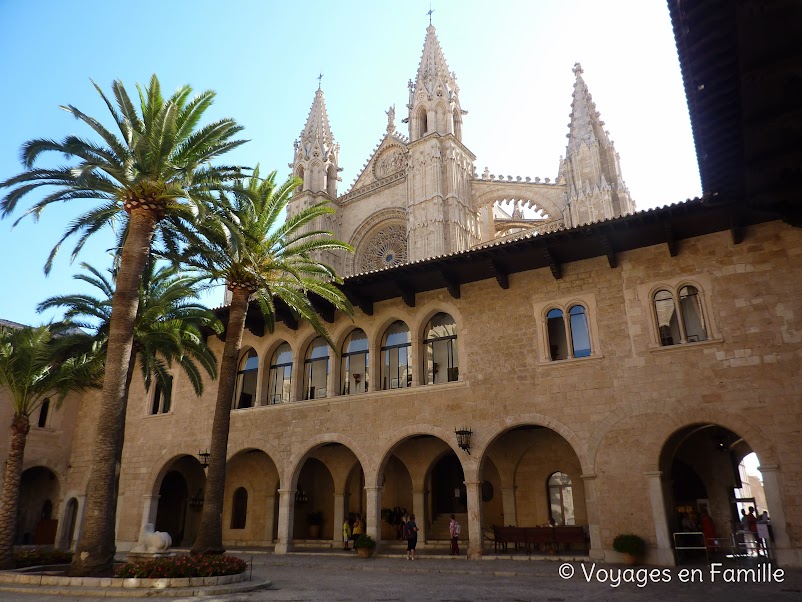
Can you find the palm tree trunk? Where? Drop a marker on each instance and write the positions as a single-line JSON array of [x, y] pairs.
[[94, 552], [210, 535], [20, 425]]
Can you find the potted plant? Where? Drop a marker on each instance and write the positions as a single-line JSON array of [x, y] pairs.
[[315, 521], [364, 545], [633, 547]]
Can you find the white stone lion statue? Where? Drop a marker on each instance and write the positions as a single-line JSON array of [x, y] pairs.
[[151, 541]]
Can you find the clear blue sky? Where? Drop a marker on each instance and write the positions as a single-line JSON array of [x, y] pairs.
[[512, 59]]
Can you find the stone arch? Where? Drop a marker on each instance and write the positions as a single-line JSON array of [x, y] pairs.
[[530, 195], [294, 464], [370, 226], [481, 441], [671, 419], [39, 493]]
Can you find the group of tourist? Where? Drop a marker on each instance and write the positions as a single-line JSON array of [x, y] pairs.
[[353, 527], [751, 531]]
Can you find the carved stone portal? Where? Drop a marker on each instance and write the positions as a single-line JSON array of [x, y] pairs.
[[390, 161], [385, 248]]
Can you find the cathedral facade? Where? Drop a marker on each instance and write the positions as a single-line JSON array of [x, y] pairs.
[[521, 352]]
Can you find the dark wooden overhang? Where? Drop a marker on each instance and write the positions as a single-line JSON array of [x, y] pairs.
[[741, 63]]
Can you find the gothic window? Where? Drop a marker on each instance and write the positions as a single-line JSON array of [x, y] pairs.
[[354, 363], [440, 348], [395, 357], [568, 334], [280, 376], [423, 118], [162, 396], [245, 390], [331, 181], [387, 247], [316, 369], [680, 317], [44, 410], [561, 499], [239, 508], [300, 174]]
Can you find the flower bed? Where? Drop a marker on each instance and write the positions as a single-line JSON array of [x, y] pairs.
[[23, 558], [182, 567]]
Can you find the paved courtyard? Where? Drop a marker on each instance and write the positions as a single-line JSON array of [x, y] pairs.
[[345, 577]]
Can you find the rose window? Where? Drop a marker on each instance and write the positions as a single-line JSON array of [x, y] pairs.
[[386, 248]]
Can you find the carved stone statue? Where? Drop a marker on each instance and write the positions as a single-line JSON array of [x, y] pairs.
[[390, 119], [152, 544]]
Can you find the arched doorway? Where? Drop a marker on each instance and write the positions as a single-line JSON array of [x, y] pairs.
[[250, 518], [448, 486], [180, 499], [39, 491], [70, 520], [537, 475], [314, 502], [173, 505], [708, 490]]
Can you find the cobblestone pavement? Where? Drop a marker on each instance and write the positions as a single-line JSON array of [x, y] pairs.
[[345, 577]]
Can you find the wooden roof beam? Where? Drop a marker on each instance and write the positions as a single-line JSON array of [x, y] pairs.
[[500, 274], [452, 284], [554, 264]]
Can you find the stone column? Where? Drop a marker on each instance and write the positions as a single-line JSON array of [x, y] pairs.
[[665, 552], [786, 555], [474, 499], [339, 517], [591, 502], [508, 506], [286, 516], [270, 505], [419, 510], [373, 514]]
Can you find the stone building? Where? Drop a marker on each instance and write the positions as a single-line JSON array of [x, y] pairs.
[[612, 366]]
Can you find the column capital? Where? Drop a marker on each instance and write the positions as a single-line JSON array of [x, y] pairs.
[[374, 488], [283, 491], [150, 496], [764, 468], [591, 476], [653, 474], [472, 483]]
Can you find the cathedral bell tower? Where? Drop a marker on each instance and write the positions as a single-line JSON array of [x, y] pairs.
[[315, 161], [440, 217], [595, 187]]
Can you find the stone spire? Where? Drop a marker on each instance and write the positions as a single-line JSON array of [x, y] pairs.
[[434, 95], [316, 153], [591, 169]]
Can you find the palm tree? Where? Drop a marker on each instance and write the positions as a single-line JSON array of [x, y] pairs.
[[32, 368], [256, 256], [157, 175]]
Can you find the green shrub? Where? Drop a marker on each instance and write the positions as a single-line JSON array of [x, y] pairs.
[[628, 543], [365, 541], [23, 558], [183, 566]]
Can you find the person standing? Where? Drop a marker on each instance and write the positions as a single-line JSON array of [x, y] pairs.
[[346, 533], [411, 533], [454, 530]]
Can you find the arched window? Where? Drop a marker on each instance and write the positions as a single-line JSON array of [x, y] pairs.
[[580, 336], [354, 364], [692, 315], [245, 391], [667, 323], [162, 396], [44, 410], [440, 348], [331, 181], [316, 369], [423, 121], [558, 342], [300, 174], [239, 509], [279, 387], [395, 356], [561, 499]]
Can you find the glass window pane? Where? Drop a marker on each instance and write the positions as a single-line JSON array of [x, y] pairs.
[[667, 324], [692, 315], [396, 334], [441, 325], [558, 342], [580, 337]]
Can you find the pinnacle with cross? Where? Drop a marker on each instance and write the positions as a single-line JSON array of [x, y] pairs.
[[319, 78], [430, 15]]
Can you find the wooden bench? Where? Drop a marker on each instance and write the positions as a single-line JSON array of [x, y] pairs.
[[539, 538]]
